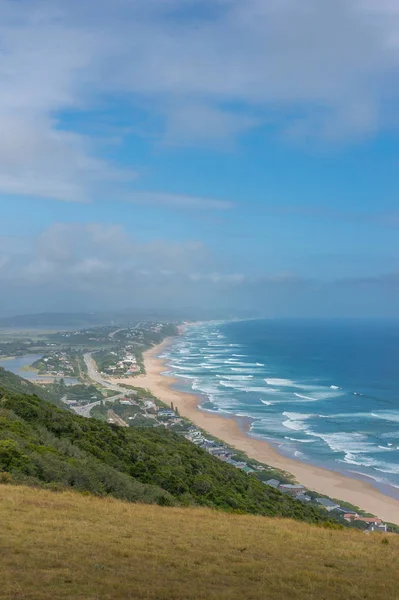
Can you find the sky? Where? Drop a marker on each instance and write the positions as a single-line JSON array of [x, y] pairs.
[[212, 153]]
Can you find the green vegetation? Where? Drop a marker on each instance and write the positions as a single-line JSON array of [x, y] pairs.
[[12, 383], [44, 445], [15, 348], [58, 362], [68, 546], [81, 393]]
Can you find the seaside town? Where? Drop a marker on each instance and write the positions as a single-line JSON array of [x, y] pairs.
[[134, 410], [117, 353]]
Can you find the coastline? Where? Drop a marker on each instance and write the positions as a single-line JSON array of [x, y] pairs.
[[323, 481]]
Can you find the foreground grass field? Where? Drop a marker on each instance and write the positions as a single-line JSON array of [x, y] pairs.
[[65, 545]]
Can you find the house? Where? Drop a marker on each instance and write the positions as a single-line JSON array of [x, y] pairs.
[[273, 483], [369, 520], [149, 404], [218, 451], [292, 488], [380, 527], [350, 516], [328, 504], [166, 413], [247, 469], [235, 463], [303, 498]]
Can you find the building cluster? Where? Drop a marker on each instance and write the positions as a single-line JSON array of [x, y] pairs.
[[299, 492], [373, 524], [125, 363], [216, 449], [57, 363]]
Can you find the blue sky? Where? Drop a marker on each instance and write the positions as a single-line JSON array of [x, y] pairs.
[[183, 153]]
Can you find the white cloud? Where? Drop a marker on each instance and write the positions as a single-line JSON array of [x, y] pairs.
[[69, 254], [88, 267], [202, 72], [177, 201]]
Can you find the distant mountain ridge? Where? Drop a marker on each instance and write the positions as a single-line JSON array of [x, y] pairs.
[[123, 317]]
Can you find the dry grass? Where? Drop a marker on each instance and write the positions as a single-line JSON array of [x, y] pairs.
[[56, 546]]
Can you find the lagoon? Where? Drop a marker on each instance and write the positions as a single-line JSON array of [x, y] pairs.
[[18, 365]]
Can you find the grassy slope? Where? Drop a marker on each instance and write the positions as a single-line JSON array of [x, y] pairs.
[[56, 546]]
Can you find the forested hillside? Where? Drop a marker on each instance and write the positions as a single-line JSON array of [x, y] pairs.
[[15, 384], [43, 445]]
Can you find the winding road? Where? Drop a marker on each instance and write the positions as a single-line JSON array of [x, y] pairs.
[[94, 375]]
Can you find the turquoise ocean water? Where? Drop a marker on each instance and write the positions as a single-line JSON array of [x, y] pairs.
[[324, 392]]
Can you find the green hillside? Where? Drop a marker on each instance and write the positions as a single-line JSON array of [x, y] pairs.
[[41, 444], [15, 384]]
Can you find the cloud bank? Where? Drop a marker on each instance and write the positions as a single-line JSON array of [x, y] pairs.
[[74, 266], [197, 73]]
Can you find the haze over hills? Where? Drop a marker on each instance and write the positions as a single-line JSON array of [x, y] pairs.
[[90, 319]]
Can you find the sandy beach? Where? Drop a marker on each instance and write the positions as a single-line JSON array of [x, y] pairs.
[[320, 480]]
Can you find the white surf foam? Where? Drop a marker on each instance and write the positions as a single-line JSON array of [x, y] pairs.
[[392, 469], [296, 421], [236, 377], [298, 440], [308, 398], [386, 415], [245, 371], [238, 363], [282, 382]]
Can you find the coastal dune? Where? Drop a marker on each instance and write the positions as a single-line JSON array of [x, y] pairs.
[[323, 481]]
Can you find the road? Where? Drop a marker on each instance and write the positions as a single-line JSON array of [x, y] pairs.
[[95, 375], [111, 335], [117, 419], [84, 411]]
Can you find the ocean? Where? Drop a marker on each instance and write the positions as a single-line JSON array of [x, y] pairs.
[[323, 392]]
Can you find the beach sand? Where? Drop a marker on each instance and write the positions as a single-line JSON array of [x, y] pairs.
[[323, 481]]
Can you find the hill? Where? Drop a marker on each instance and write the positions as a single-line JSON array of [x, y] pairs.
[[57, 546], [41, 444], [14, 384]]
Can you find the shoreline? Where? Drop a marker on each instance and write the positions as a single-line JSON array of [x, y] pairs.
[[330, 483]]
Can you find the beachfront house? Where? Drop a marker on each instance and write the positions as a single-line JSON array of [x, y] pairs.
[[303, 498], [377, 527], [328, 504], [349, 516], [369, 520], [168, 413], [293, 489], [247, 469], [273, 483]]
